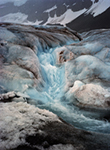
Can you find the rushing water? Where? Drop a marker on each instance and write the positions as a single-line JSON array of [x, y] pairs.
[[52, 97]]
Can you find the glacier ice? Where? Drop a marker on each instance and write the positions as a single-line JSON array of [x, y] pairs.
[[54, 69]]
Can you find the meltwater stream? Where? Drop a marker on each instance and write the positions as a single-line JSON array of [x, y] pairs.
[[52, 97]]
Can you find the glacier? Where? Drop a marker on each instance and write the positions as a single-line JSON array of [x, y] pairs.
[[54, 87]]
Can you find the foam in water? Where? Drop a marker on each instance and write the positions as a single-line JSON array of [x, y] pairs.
[[53, 97]]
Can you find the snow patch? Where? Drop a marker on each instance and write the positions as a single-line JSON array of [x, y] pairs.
[[16, 2], [92, 1], [67, 17], [18, 18], [66, 5], [74, 4], [49, 10], [99, 7]]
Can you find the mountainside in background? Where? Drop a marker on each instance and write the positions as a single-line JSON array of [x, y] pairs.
[[79, 15], [88, 22]]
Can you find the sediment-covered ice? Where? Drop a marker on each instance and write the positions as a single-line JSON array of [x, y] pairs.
[[90, 94], [17, 120]]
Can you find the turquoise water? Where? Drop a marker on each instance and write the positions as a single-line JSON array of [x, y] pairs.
[[52, 97]]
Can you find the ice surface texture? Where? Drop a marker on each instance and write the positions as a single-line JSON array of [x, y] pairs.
[[54, 68]]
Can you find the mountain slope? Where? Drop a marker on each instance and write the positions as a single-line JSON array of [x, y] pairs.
[[99, 7], [88, 22], [76, 14]]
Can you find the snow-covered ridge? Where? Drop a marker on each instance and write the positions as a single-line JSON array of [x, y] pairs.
[[67, 17], [96, 9]]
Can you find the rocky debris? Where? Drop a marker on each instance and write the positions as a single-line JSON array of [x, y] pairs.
[[25, 126], [12, 96], [54, 147], [7, 95], [63, 55], [17, 120]]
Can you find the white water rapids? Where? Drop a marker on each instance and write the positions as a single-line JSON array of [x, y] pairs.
[[53, 97]]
